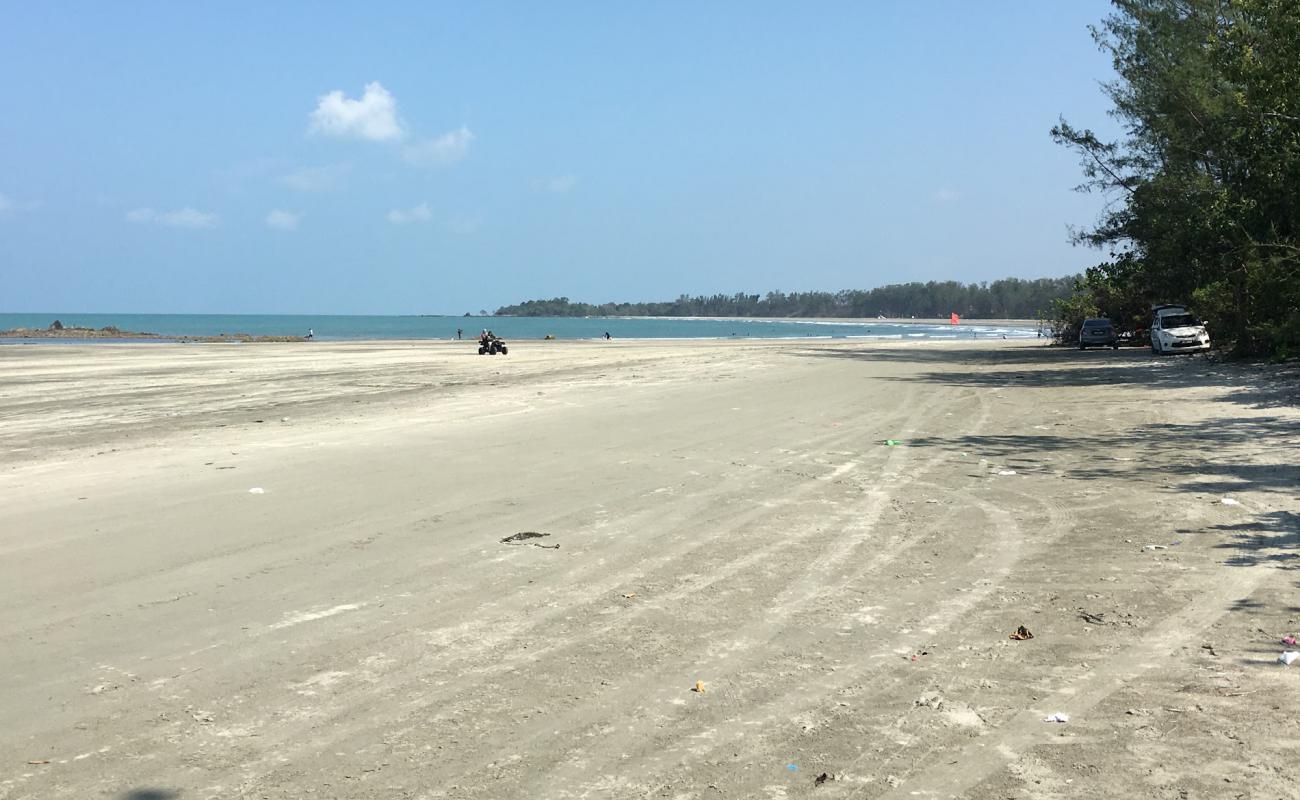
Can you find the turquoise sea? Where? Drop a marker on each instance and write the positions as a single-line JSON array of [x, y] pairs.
[[337, 328]]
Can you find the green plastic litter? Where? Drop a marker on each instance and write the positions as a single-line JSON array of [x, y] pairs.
[[893, 442]]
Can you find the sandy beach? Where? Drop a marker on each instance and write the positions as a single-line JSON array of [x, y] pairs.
[[277, 571]]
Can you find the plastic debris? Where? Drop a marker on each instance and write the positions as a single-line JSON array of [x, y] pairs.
[[1006, 472], [629, 595], [1288, 658], [1228, 501], [257, 490], [699, 687], [792, 767], [1155, 547], [893, 442], [39, 761], [1022, 634], [1057, 717], [523, 536], [822, 778], [1288, 640]]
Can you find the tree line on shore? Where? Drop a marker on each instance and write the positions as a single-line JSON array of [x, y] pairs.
[[1205, 206], [1009, 298]]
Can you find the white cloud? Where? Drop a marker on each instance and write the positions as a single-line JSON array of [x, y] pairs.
[[282, 220], [9, 205], [440, 151], [464, 225], [317, 179], [180, 218], [947, 195], [235, 178], [373, 117], [420, 213], [559, 184]]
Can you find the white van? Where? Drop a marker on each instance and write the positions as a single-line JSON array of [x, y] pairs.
[[1175, 330]]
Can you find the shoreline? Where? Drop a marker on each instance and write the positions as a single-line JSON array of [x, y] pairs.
[[945, 332], [1029, 324]]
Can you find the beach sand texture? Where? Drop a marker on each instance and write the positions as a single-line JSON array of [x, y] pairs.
[[722, 516]]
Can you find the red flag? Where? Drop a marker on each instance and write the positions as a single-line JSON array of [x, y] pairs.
[[955, 319]]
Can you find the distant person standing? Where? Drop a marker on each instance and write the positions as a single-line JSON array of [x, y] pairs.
[[311, 334], [607, 336], [458, 333]]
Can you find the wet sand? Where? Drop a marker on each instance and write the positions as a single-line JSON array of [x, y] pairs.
[[721, 513]]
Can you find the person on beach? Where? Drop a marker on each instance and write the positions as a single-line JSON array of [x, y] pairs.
[[311, 334], [607, 336], [458, 333]]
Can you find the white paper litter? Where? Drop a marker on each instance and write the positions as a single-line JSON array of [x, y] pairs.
[[1058, 717], [1228, 501], [257, 490], [1006, 472], [1288, 658]]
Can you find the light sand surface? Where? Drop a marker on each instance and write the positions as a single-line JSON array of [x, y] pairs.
[[723, 512]]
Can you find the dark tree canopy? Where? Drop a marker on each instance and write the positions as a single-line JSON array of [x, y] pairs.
[[1010, 298], [1206, 180]]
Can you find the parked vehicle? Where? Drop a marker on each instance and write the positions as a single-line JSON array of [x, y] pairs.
[[1175, 330], [1098, 332]]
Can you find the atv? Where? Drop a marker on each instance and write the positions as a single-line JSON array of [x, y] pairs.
[[491, 345]]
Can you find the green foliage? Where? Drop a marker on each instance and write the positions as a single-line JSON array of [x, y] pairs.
[[1010, 298], [1068, 314], [1208, 212]]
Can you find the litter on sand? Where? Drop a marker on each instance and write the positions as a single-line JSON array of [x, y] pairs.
[[257, 490], [1155, 547], [1228, 501], [698, 688], [523, 536], [1288, 658], [1057, 717], [1022, 634], [822, 778], [1288, 640], [792, 767], [893, 442], [1006, 472]]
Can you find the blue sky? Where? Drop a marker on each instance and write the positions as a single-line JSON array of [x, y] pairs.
[[442, 158]]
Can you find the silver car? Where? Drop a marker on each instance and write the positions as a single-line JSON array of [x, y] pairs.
[[1098, 332]]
